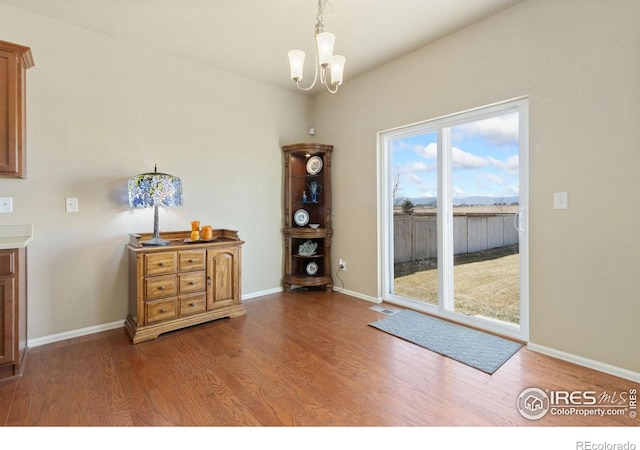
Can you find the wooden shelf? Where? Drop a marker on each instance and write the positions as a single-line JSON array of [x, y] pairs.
[[296, 185]]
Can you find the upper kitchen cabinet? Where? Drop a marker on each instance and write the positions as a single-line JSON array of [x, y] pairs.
[[14, 61]]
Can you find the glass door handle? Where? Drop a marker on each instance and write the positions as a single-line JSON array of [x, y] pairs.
[[517, 221]]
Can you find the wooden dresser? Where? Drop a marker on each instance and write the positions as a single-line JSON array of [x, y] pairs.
[[182, 284]]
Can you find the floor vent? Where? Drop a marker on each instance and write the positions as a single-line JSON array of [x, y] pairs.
[[384, 310]]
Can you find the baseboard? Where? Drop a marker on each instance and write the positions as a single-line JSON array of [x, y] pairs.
[[357, 295], [262, 293], [586, 362], [37, 342], [342, 291]]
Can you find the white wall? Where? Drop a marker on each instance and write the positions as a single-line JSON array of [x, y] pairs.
[[100, 111], [578, 63]]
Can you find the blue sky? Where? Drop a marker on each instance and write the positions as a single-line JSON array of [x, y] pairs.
[[485, 158]]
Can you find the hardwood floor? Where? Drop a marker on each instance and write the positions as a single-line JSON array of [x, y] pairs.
[[297, 359]]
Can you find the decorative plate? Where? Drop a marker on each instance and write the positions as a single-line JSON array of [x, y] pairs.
[[301, 217], [314, 165], [312, 268]]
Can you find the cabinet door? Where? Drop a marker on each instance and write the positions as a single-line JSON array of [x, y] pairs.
[[7, 320], [8, 113], [223, 278], [14, 60]]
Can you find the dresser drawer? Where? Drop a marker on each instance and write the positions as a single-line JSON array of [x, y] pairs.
[[193, 304], [191, 260], [161, 310], [160, 263], [191, 282], [158, 287]]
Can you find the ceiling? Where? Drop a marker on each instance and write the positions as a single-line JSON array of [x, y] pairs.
[[251, 38]]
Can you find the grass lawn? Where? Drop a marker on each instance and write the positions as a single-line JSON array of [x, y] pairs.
[[489, 288]]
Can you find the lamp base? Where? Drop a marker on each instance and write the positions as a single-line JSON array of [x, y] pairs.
[[155, 241]]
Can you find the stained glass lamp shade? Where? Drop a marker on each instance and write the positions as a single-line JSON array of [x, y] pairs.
[[155, 190]]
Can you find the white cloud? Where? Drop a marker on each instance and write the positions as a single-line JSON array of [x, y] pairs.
[[459, 158], [421, 187], [496, 185], [418, 166], [512, 190], [498, 130], [465, 160], [428, 152], [494, 178], [414, 179], [511, 165]]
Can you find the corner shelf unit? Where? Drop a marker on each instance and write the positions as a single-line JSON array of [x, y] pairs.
[[307, 167]]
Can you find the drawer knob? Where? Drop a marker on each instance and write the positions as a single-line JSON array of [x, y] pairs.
[[163, 310], [191, 260], [192, 304], [161, 264], [192, 282], [161, 288]]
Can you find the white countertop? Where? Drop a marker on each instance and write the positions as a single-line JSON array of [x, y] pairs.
[[15, 236]]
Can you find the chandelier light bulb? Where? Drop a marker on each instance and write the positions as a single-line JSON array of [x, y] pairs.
[[325, 43], [296, 64], [337, 68]]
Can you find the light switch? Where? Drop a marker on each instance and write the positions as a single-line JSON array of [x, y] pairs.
[[560, 200], [6, 205], [72, 204]]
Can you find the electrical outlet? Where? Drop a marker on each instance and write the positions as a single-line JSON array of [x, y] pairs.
[[560, 200], [342, 264], [6, 204], [71, 204]]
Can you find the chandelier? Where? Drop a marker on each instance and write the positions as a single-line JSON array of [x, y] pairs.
[[328, 66]]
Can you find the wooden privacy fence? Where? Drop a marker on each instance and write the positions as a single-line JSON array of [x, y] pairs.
[[416, 236]]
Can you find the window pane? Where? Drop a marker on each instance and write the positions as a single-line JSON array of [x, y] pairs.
[[415, 193], [485, 190]]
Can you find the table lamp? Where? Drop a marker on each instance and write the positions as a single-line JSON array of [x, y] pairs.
[[157, 190]]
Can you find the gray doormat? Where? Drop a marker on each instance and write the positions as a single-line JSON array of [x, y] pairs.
[[475, 348]]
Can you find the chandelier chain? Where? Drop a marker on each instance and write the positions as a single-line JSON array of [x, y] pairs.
[[322, 4]]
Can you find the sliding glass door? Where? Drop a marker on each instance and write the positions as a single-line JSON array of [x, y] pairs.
[[453, 215]]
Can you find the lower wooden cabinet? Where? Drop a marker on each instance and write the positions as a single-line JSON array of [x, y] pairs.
[[13, 311], [182, 284]]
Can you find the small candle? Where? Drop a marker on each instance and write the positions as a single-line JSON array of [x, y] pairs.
[[195, 225], [207, 233]]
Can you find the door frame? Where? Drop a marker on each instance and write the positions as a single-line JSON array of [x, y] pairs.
[[445, 253]]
